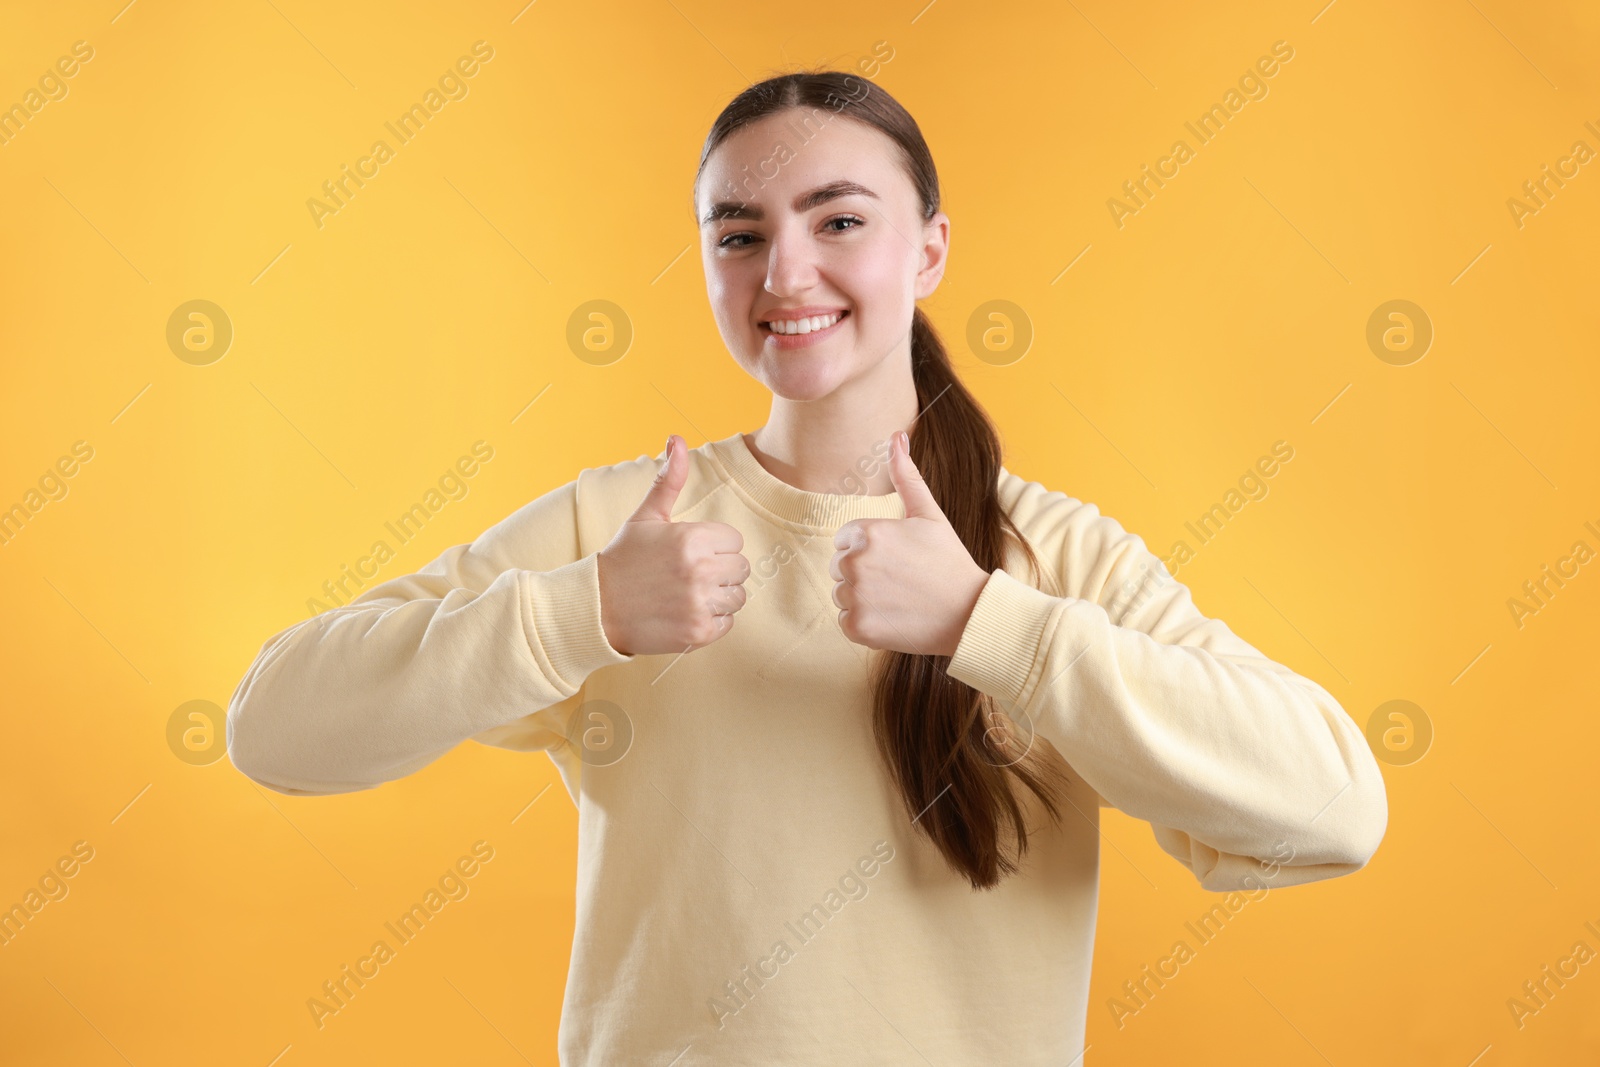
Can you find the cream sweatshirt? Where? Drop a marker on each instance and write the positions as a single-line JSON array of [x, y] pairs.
[[749, 887]]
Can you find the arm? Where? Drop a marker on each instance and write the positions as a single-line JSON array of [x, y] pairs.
[[1234, 759], [487, 641]]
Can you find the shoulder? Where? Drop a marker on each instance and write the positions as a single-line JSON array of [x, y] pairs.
[[606, 494], [578, 516], [1085, 552], [607, 480]]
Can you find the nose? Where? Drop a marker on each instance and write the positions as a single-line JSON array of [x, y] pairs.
[[791, 265]]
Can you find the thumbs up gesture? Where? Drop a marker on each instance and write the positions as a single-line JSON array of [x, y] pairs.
[[905, 585], [670, 586]]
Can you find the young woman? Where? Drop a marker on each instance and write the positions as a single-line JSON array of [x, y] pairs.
[[813, 687]]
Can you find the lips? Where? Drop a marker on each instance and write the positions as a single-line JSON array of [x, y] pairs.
[[839, 314], [789, 341]]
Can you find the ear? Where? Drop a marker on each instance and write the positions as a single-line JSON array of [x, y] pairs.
[[935, 254]]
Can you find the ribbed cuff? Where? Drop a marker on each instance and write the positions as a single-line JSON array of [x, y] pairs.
[[561, 611], [999, 651]]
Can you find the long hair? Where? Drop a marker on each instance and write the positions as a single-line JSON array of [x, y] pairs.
[[949, 749]]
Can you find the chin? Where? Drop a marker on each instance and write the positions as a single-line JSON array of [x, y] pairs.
[[799, 379]]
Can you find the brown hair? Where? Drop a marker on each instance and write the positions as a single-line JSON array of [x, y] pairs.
[[934, 732]]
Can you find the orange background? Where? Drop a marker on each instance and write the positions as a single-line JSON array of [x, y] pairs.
[[1228, 313]]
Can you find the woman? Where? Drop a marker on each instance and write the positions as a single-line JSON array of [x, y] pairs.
[[813, 687]]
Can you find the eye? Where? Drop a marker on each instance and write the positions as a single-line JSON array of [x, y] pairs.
[[733, 237]]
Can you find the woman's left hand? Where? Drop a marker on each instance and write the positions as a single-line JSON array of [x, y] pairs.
[[905, 585]]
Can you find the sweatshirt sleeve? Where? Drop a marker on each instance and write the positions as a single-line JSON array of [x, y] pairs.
[[486, 641], [1239, 764]]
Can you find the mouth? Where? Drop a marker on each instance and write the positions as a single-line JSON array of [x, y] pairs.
[[798, 333]]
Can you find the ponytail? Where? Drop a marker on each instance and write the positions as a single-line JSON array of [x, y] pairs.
[[951, 751]]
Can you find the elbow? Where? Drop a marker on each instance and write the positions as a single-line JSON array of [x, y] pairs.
[[1366, 811], [253, 755], [1346, 834], [247, 757], [1339, 840], [1345, 831], [248, 752], [266, 742], [1370, 823]]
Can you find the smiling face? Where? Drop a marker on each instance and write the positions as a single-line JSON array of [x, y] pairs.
[[837, 232]]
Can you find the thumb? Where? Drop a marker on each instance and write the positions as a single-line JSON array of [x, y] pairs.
[[914, 492], [657, 504]]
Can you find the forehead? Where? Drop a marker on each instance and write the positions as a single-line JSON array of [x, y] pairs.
[[768, 161]]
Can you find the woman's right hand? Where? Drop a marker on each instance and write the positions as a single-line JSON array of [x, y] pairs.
[[670, 586]]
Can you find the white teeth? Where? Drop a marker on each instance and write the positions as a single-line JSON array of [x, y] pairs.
[[804, 326]]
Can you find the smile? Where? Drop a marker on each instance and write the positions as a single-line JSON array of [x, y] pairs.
[[801, 333]]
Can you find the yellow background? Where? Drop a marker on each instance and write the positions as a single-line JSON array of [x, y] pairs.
[[1228, 313]]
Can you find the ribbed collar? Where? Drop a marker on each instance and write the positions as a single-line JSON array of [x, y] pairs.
[[814, 511]]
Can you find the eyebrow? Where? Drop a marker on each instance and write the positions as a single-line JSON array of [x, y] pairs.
[[738, 209]]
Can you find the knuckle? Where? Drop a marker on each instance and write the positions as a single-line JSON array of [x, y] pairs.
[[684, 559]]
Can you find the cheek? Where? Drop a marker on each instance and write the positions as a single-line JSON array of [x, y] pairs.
[[735, 277], [877, 270], [725, 291]]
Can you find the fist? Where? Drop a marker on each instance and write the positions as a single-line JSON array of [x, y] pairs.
[[905, 585], [670, 586]]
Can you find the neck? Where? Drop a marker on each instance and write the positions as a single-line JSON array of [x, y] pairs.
[[840, 443]]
